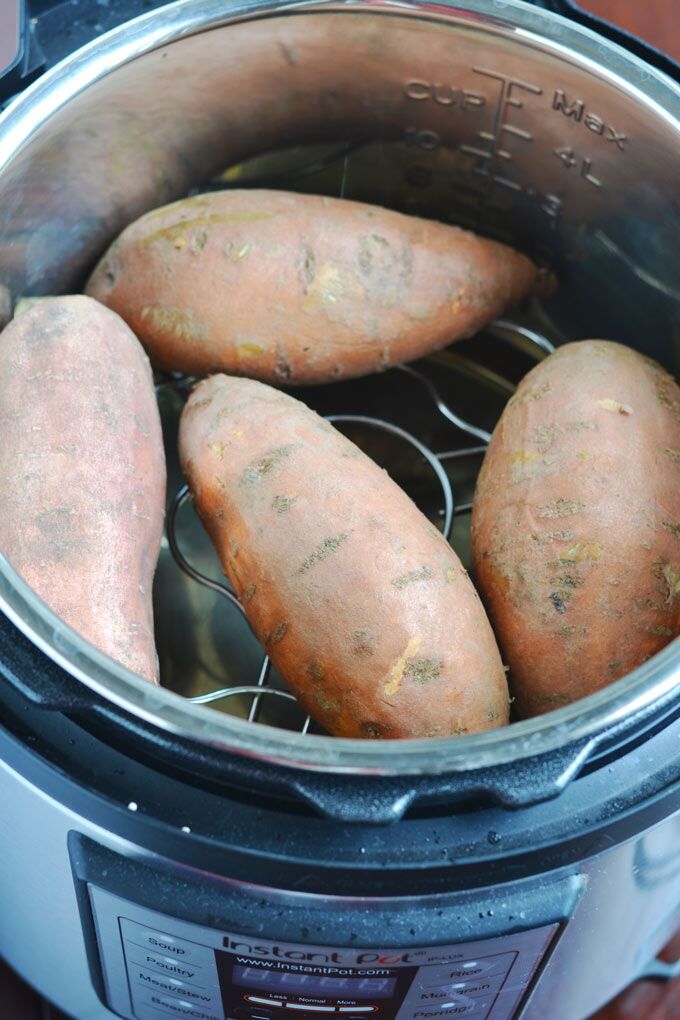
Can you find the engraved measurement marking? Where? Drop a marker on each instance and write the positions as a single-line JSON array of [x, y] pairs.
[[422, 138], [420, 174], [577, 110], [443, 95], [569, 159], [510, 95]]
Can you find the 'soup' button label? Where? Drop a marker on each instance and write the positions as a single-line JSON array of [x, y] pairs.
[[166, 945]]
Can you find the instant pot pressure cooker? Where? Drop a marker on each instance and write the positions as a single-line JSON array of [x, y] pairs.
[[200, 850]]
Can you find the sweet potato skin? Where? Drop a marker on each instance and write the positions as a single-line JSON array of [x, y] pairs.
[[301, 289], [361, 603], [82, 472], [576, 522]]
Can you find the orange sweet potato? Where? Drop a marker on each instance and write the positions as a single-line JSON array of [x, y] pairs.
[[82, 472], [361, 603], [301, 289], [576, 522]]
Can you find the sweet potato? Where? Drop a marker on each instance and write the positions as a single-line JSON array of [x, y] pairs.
[[576, 522], [298, 288], [361, 603], [82, 472]]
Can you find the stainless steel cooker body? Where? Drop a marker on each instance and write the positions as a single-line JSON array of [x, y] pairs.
[[488, 113], [129, 892]]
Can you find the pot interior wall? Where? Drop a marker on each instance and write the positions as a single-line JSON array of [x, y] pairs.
[[458, 120]]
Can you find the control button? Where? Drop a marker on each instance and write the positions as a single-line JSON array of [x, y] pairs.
[[356, 1009], [152, 1003], [263, 1002], [141, 978], [451, 1009], [471, 988], [166, 945], [311, 1009], [476, 968], [169, 967]]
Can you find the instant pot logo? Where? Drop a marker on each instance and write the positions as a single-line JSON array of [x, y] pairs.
[[341, 957]]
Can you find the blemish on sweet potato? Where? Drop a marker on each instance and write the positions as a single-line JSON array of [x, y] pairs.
[[569, 630], [399, 668], [280, 632], [236, 251], [371, 730], [282, 504], [307, 265], [264, 465], [672, 579], [608, 404], [249, 593], [560, 508], [558, 602], [543, 435], [533, 393], [569, 581], [180, 322], [524, 457], [363, 642], [327, 547], [553, 536], [422, 574], [665, 387], [199, 242], [196, 405], [325, 702], [673, 455], [581, 426], [316, 672], [554, 700], [583, 551], [421, 671], [217, 449], [249, 349], [182, 227], [283, 369], [674, 529]]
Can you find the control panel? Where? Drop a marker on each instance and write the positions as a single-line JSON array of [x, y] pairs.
[[156, 966]]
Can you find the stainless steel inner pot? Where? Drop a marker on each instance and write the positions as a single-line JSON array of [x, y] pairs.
[[487, 113]]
